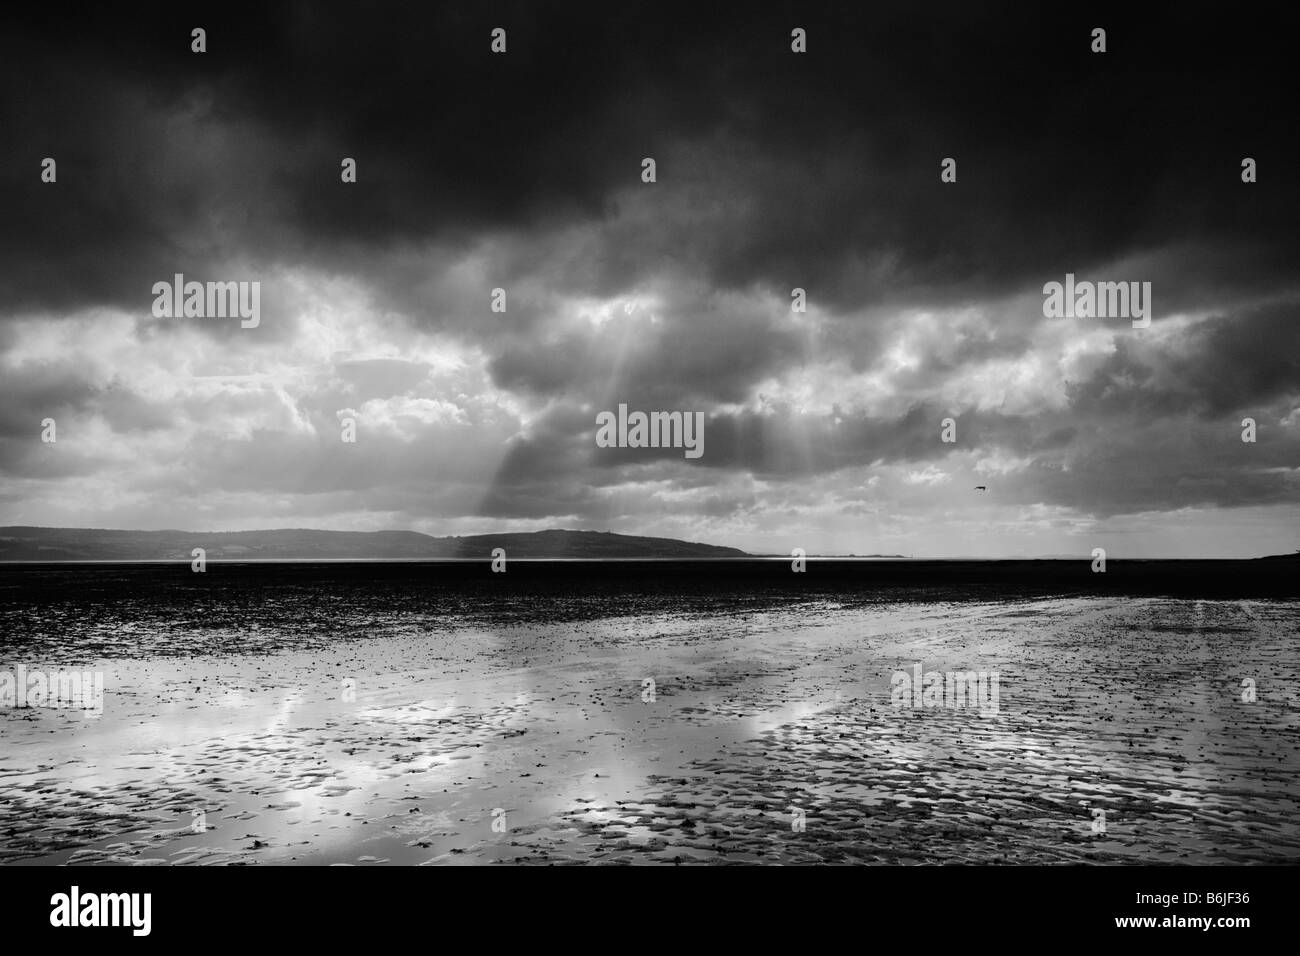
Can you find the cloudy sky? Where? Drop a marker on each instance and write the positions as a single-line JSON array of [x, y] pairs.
[[775, 170]]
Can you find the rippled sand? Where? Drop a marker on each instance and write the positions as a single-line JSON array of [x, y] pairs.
[[533, 743]]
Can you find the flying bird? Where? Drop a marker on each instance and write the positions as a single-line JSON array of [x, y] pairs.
[[981, 488]]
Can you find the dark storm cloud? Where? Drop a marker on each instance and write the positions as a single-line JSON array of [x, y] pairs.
[[785, 444], [1243, 362], [1145, 465], [827, 164], [694, 349], [54, 388]]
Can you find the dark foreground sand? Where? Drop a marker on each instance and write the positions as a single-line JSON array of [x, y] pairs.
[[534, 743]]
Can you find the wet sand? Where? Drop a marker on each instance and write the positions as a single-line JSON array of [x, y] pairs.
[[538, 743]]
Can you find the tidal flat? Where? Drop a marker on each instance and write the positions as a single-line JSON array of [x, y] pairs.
[[356, 730]]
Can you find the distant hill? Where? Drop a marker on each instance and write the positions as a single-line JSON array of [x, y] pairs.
[[97, 544]]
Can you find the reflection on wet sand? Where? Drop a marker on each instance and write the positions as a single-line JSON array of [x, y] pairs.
[[408, 745]]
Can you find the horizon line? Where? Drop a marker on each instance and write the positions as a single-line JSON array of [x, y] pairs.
[[882, 559]]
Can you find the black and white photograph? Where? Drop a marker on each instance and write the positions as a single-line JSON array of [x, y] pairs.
[[803, 434]]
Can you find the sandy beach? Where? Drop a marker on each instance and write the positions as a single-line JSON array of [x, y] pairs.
[[1120, 735]]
